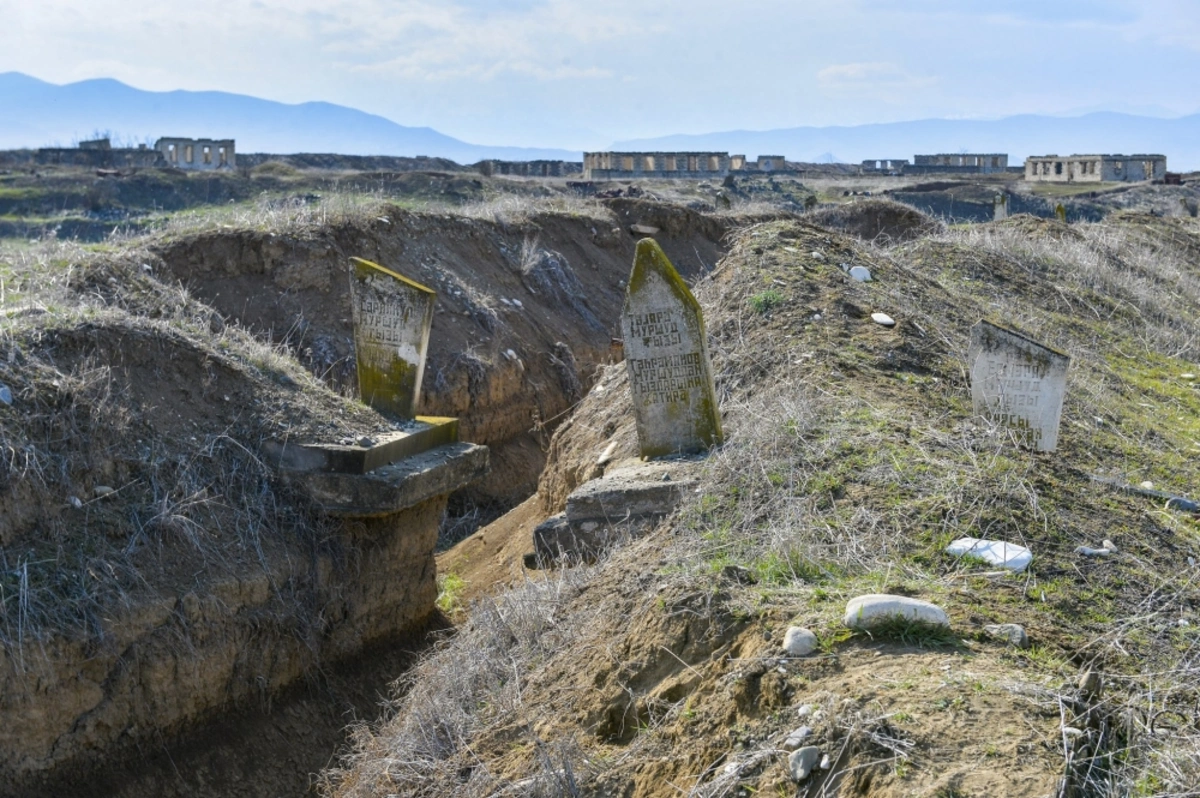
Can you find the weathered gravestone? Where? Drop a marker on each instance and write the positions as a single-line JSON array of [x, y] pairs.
[[1060, 211], [666, 353], [392, 316], [1000, 207], [1018, 383]]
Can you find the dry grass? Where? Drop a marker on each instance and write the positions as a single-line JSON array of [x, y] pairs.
[[472, 682]]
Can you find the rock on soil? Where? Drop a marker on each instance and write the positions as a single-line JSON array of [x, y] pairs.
[[801, 762], [863, 612], [1012, 633], [996, 552], [799, 642]]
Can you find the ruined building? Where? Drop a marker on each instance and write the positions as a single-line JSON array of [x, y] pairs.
[[197, 154], [617, 165], [974, 163], [1095, 168], [97, 154], [886, 166], [961, 163], [530, 168], [690, 165]]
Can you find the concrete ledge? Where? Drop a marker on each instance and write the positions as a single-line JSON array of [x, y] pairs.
[[626, 502], [396, 487], [428, 432]]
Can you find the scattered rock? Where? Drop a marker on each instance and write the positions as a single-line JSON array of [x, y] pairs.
[[817, 255], [1147, 485], [6, 394], [801, 762], [796, 738], [643, 229], [826, 763], [996, 552], [607, 455], [75, 502], [365, 442], [860, 273], [1188, 376], [736, 573], [883, 319], [863, 612], [1090, 684], [517, 303], [1108, 544], [1088, 551], [102, 490], [799, 642], [804, 710], [1011, 633]]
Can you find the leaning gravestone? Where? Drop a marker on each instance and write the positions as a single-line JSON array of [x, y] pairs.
[[1018, 383], [1000, 207], [666, 353], [392, 316]]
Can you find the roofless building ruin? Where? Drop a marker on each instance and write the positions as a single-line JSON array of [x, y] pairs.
[[684, 165], [1095, 168]]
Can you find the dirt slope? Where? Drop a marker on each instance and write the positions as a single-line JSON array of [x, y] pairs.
[[853, 457]]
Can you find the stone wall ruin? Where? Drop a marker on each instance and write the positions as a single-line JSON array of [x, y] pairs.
[[1095, 168]]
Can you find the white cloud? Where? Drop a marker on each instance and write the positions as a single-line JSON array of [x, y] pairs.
[[870, 77]]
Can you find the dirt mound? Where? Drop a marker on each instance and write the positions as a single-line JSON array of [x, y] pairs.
[[852, 459], [527, 306], [874, 219]]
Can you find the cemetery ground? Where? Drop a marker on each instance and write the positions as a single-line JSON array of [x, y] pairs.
[[852, 457]]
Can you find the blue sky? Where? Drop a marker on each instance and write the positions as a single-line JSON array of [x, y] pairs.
[[584, 73]]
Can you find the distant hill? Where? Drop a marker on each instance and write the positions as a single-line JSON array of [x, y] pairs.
[[1019, 136], [40, 114]]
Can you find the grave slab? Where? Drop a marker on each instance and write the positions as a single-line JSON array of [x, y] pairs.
[[392, 317], [1018, 383], [666, 354], [423, 434]]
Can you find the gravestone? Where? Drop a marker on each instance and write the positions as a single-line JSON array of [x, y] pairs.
[[666, 354], [1060, 211], [1018, 383], [1000, 207], [392, 316]]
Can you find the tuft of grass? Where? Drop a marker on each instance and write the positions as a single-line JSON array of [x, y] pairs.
[[450, 590], [767, 300], [911, 632]]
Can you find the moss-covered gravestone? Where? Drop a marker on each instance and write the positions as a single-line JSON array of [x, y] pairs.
[[666, 354], [1060, 211], [1018, 383], [392, 316]]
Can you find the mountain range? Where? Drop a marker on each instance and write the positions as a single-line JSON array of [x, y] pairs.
[[34, 113]]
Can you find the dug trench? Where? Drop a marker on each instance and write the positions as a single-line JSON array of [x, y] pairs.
[[528, 309], [526, 312]]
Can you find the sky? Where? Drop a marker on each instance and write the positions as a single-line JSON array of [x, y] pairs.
[[581, 74]]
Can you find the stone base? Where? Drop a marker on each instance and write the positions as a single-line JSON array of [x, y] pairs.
[[626, 502], [428, 432], [394, 487]]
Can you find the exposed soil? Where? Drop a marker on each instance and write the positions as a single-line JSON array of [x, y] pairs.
[[526, 312]]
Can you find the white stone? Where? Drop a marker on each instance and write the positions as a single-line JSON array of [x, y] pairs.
[[826, 763], [796, 738], [884, 319], [1088, 551], [801, 762], [1108, 544], [860, 273], [864, 611], [804, 710], [1017, 383], [643, 229], [995, 552], [799, 642]]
